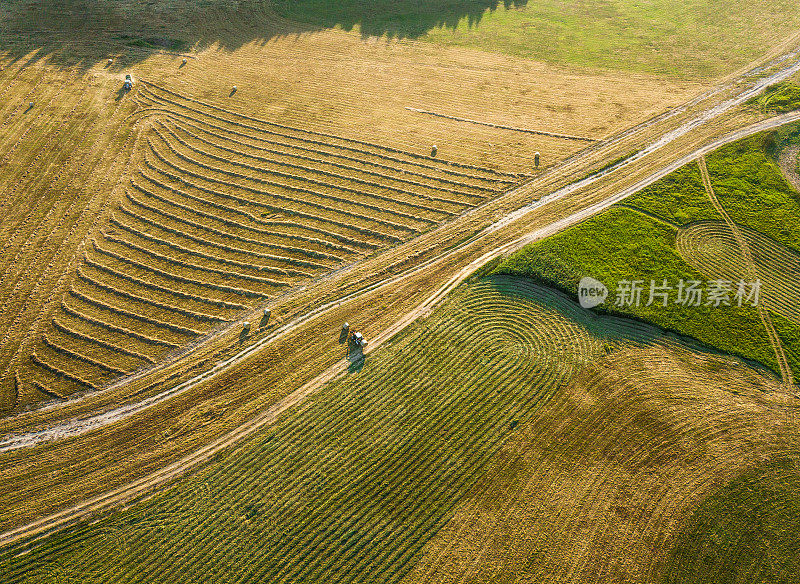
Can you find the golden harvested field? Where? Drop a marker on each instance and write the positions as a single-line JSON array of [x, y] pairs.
[[155, 217]]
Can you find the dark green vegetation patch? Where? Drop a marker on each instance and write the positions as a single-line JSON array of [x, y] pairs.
[[636, 240]]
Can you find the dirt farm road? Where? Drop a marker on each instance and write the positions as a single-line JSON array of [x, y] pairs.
[[788, 65]]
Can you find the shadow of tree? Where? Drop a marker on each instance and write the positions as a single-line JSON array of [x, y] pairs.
[[83, 33], [393, 18]]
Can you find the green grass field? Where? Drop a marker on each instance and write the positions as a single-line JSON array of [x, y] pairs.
[[352, 487], [681, 39], [637, 241], [779, 98]]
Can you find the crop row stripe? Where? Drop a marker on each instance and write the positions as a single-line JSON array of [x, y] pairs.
[[134, 315], [236, 224], [180, 294], [176, 277], [59, 326], [77, 356], [330, 174], [222, 246], [436, 161], [271, 207], [168, 307]]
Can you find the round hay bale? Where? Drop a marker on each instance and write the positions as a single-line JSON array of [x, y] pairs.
[[434, 150], [536, 159], [110, 61]]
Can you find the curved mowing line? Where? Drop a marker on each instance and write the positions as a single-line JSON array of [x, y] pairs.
[[78, 357], [711, 247], [274, 208], [327, 187], [60, 372], [251, 217], [148, 85], [112, 327], [311, 169], [130, 314], [222, 246], [496, 180], [176, 277], [297, 189], [236, 237], [196, 252], [180, 294], [99, 342], [130, 296], [184, 264], [384, 167]]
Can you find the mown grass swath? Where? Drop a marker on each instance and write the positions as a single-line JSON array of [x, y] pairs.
[[351, 487], [222, 212]]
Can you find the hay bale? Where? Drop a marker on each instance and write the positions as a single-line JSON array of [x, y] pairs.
[[110, 61], [536, 159], [434, 150]]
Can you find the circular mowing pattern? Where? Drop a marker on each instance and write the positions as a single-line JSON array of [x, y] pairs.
[[353, 485], [710, 247]]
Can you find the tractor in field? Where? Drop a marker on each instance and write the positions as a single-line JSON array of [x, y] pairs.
[[128, 84]]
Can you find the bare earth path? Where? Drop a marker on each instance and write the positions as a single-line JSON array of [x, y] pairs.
[[46, 525]]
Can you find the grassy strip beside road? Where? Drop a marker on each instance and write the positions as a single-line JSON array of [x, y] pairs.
[[621, 244], [779, 98]]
